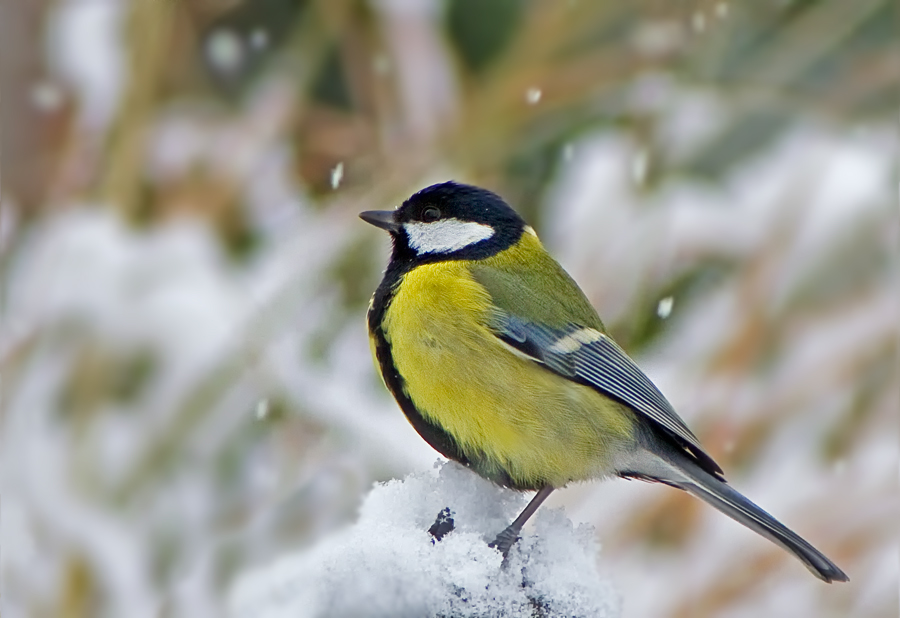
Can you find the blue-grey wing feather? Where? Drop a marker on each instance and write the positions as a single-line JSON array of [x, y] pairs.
[[601, 364]]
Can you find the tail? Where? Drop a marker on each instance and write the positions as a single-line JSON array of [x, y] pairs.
[[719, 494]]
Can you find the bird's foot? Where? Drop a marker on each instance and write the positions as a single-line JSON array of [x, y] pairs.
[[505, 540]]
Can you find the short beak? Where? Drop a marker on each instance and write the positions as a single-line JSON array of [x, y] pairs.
[[381, 218]]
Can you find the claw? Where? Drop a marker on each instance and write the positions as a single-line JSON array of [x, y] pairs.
[[505, 540]]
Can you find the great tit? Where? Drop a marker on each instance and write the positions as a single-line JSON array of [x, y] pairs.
[[500, 362]]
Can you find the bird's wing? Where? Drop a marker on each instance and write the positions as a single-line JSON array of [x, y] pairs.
[[591, 357]]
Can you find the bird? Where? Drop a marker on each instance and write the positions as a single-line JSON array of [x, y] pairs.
[[500, 362]]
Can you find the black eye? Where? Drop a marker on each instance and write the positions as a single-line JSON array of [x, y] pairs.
[[431, 214]]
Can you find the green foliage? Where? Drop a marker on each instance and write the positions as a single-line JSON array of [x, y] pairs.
[[481, 31], [330, 84]]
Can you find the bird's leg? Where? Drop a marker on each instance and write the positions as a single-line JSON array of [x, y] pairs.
[[506, 539]]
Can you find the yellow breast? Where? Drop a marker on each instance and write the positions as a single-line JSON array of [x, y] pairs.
[[505, 411]]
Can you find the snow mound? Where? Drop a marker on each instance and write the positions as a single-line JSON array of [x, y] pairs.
[[388, 564]]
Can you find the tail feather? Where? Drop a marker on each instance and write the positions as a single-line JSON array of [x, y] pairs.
[[720, 495]]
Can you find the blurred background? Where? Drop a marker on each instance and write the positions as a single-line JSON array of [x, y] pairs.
[[187, 387]]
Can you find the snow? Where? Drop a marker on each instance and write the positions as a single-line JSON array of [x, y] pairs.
[[337, 174], [85, 281], [664, 307], [84, 48], [229, 340], [225, 51], [782, 217], [388, 565]]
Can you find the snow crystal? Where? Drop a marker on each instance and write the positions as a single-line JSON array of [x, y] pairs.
[[388, 564], [225, 51], [337, 174], [664, 308], [262, 409]]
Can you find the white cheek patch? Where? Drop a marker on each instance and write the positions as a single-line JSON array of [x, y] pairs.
[[446, 235]]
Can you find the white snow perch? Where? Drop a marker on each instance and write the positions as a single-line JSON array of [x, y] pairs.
[[389, 565]]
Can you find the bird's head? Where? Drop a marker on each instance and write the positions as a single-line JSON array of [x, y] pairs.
[[449, 221]]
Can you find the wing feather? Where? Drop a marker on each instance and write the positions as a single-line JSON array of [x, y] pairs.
[[593, 358]]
